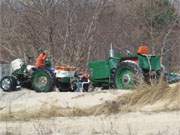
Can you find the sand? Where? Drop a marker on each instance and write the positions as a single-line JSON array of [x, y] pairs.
[[26, 112]]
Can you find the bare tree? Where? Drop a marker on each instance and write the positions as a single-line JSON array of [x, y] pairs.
[[76, 32]]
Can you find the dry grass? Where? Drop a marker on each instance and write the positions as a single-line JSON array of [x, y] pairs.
[[141, 97], [153, 94], [167, 97]]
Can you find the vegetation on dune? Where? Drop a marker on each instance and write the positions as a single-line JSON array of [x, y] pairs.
[[146, 95]]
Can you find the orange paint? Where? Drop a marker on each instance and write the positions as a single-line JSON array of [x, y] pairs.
[[65, 68]]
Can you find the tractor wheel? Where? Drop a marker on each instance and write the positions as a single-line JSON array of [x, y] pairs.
[[74, 86], [42, 81], [153, 78], [8, 83], [127, 76], [64, 87], [91, 88]]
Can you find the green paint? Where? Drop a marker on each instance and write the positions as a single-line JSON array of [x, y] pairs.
[[124, 79], [41, 81]]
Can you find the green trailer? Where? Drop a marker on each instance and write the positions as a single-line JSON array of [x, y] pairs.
[[124, 71]]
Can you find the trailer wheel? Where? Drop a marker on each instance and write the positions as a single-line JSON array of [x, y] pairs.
[[128, 75], [42, 81], [8, 83]]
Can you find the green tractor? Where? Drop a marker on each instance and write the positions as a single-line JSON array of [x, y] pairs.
[[43, 80], [27, 76], [122, 71]]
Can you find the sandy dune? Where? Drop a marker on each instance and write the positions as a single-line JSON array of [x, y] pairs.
[[26, 112], [26, 104]]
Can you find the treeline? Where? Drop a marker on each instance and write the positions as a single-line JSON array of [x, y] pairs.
[[77, 31]]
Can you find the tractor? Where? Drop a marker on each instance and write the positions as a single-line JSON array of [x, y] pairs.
[[23, 75], [43, 80], [125, 70]]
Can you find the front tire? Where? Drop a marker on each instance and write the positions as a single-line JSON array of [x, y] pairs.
[[42, 81], [127, 76], [8, 83]]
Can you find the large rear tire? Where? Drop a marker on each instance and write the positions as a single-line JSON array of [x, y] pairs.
[[8, 83], [128, 75], [42, 81]]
